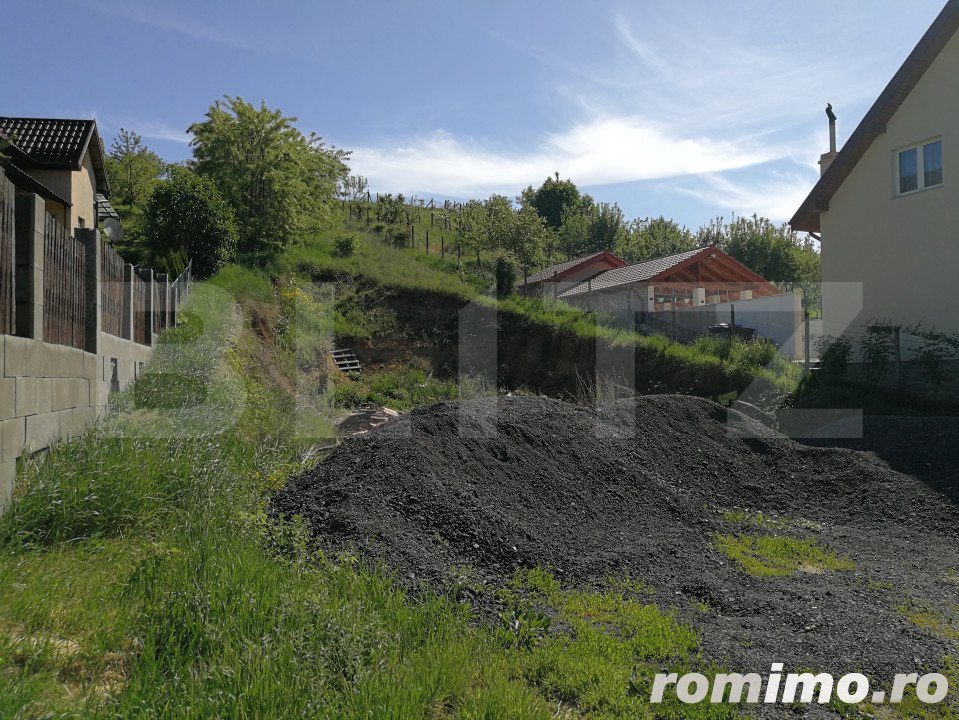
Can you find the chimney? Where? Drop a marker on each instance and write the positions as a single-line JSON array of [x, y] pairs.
[[825, 160]]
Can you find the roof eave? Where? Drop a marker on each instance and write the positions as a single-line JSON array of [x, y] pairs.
[[873, 123]]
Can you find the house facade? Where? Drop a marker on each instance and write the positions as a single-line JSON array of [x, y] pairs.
[[64, 157], [887, 205]]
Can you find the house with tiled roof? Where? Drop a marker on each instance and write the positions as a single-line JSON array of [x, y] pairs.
[[886, 206], [701, 276], [575, 270], [61, 160]]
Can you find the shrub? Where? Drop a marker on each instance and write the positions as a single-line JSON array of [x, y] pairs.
[[505, 277], [379, 228], [834, 354], [188, 214], [345, 245], [398, 236], [877, 346]]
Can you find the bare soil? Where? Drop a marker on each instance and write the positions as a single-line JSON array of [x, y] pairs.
[[639, 488]]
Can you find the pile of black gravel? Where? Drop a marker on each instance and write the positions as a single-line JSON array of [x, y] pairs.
[[639, 488]]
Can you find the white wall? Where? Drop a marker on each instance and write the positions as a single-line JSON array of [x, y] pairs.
[[776, 317], [898, 254]]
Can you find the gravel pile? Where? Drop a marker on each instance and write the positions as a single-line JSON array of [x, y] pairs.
[[639, 487]]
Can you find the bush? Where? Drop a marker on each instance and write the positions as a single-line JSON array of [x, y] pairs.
[[877, 346], [188, 214], [505, 277], [379, 228], [834, 354], [398, 236], [345, 245]]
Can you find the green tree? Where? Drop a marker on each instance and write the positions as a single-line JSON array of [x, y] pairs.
[[649, 238], [550, 198], [133, 168], [773, 251], [469, 225], [280, 183], [187, 214]]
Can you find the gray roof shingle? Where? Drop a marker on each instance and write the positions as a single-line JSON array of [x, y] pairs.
[[632, 273], [558, 268], [47, 141]]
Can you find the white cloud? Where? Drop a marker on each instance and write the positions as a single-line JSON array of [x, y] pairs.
[[775, 195], [601, 151]]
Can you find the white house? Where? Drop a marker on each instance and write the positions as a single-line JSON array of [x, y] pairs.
[[887, 205]]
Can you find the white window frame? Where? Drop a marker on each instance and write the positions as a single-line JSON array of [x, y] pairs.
[[920, 167]]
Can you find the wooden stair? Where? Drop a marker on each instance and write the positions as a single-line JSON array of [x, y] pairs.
[[346, 360]]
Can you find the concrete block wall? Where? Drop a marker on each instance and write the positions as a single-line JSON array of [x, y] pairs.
[[50, 392]]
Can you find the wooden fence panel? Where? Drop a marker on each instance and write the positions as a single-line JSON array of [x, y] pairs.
[[139, 310], [8, 299], [64, 276], [111, 290]]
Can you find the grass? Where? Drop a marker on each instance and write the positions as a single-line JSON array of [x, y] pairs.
[[759, 519], [776, 555], [398, 390], [143, 577], [715, 365], [601, 663]]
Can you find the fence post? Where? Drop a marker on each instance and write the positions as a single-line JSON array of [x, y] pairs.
[[126, 329], [806, 341], [164, 304], [146, 275], [28, 252], [90, 238], [732, 321]]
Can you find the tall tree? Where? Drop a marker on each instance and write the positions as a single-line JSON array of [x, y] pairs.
[[187, 215], [550, 198], [133, 168], [649, 238], [280, 183]]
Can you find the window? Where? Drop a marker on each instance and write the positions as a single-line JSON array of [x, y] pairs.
[[919, 167]]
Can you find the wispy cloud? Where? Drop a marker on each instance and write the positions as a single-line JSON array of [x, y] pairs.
[[775, 194], [601, 151], [156, 17]]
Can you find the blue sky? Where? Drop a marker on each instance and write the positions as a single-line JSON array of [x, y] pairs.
[[690, 109]]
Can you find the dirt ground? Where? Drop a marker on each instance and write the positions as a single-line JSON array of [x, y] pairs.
[[640, 488]]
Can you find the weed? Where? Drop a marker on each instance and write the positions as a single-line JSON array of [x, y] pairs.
[[776, 555]]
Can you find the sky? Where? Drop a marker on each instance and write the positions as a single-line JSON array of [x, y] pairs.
[[691, 109]]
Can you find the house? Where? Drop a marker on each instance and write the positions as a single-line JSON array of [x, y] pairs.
[[886, 206], [701, 276], [570, 272], [63, 161]]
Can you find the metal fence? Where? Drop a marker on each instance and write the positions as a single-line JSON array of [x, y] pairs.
[[7, 260], [64, 275]]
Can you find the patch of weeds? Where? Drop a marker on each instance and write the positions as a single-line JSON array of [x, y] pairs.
[[398, 390], [943, 621], [777, 555], [910, 707], [627, 585], [759, 519], [601, 650]]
